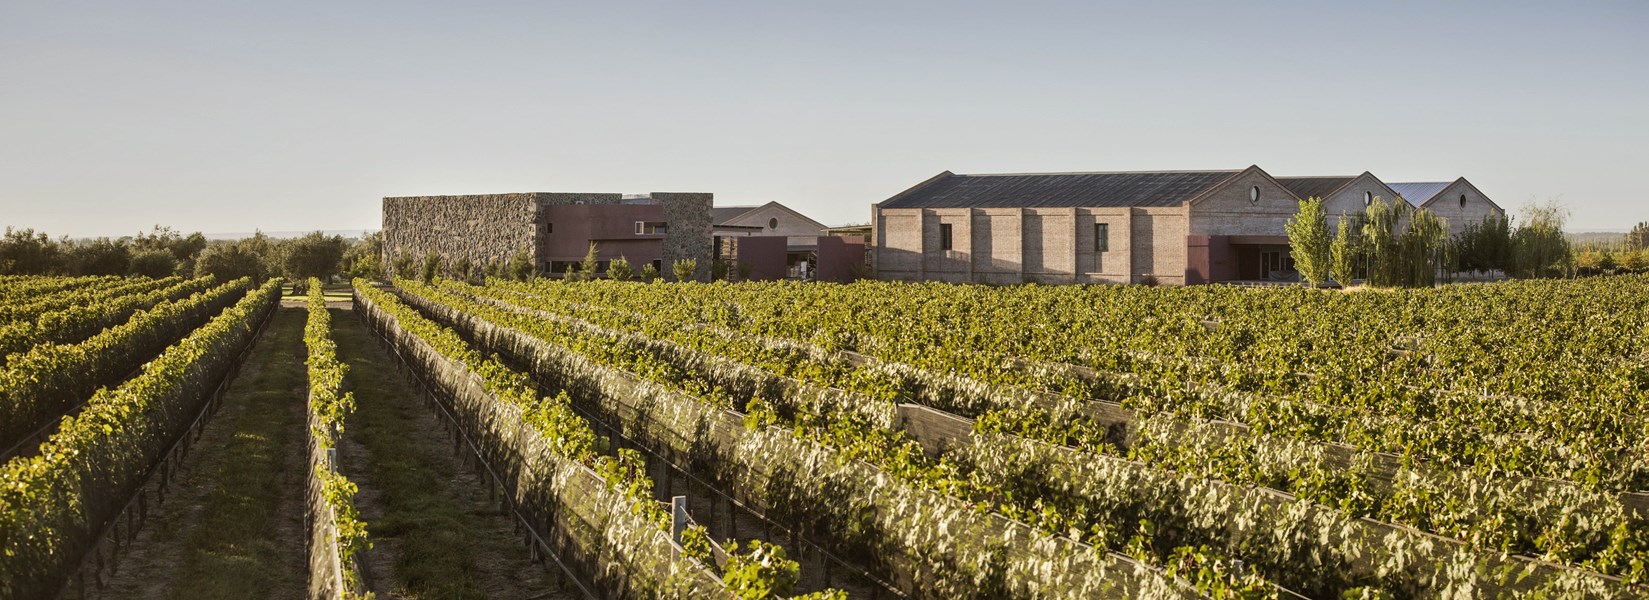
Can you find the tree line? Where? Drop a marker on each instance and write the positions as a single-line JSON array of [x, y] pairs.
[[1399, 245], [164, 251]]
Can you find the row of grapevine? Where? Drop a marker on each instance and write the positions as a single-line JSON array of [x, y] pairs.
[[56, 504], [1582, 517], [26, 288], [1309, 365], [41, 385], [592, 506], [84, 320], [336, 533], [91, 294], [864, 490]]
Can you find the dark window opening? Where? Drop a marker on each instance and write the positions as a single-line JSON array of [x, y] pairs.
[[944, 236], [549, 228], [1368, 198], [652, 227], [1254, 195], [1462, 201], [773, 223], [1102, 237]]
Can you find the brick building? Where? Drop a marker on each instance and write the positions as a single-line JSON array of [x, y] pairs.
[[1178, 227], [554, 229]]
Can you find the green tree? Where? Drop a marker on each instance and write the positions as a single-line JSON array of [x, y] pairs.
[[1486, 245], [313, 255], [1380, 248], [1634, 261], [432, 267], [521, 268], [1309, 241], [619, 269], [462, 269], [101, 256], [1538, 246], [1638, 237], [231, 261], [590, 268], [685, 269], [1420, 249], [364, 257], [153, 263], [25, 252], [1344, 252], [406, 266], [649, 273], [184, 249]]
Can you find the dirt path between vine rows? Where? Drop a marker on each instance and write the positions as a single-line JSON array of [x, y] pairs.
[[434, 530], [232, 522]]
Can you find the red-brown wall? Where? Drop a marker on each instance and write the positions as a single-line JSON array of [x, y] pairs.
[[838, 255], [611, 226], [1208, 259], [764, 253]]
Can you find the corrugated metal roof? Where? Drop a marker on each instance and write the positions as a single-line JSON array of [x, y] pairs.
[[1418, 193], [1314, 187], [722, 214], [1060, 190]]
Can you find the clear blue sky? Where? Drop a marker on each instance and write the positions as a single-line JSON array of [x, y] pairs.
[[295, 115]]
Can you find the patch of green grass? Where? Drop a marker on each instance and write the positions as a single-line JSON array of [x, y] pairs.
[[334, 292], [232, 551], [433, 530]]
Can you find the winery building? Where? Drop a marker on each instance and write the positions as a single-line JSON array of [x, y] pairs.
[[1174, 227], [555, 229]]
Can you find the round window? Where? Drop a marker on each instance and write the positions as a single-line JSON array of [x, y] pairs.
[[1462, 201], [773, 223], [1368, 198], [1254, 195]]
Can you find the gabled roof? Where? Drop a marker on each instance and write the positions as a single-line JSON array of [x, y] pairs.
[[1315, 187], [1418, 193], [1058, 190], [723, 214]]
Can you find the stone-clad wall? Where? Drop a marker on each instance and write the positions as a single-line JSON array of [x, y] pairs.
[[492, 228], [689, 216], [483, 228]]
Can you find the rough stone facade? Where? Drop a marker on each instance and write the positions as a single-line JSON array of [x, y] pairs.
[[492, 228], [689, 216], [482, 228]]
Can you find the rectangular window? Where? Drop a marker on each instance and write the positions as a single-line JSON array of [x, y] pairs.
[[549, 228], [1102, 237], [944, 236], [652, 228]]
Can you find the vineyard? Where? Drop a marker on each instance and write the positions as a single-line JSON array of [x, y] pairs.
[[871, 440]]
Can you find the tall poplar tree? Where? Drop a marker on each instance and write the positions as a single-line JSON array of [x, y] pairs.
[[1308, 241]]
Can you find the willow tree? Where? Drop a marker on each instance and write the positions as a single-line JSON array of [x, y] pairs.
[[1308, 241], [1538, 246], [1380, 231], [1420, 249]]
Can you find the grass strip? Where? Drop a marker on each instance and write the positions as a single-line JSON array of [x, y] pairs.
[[233, 551]]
